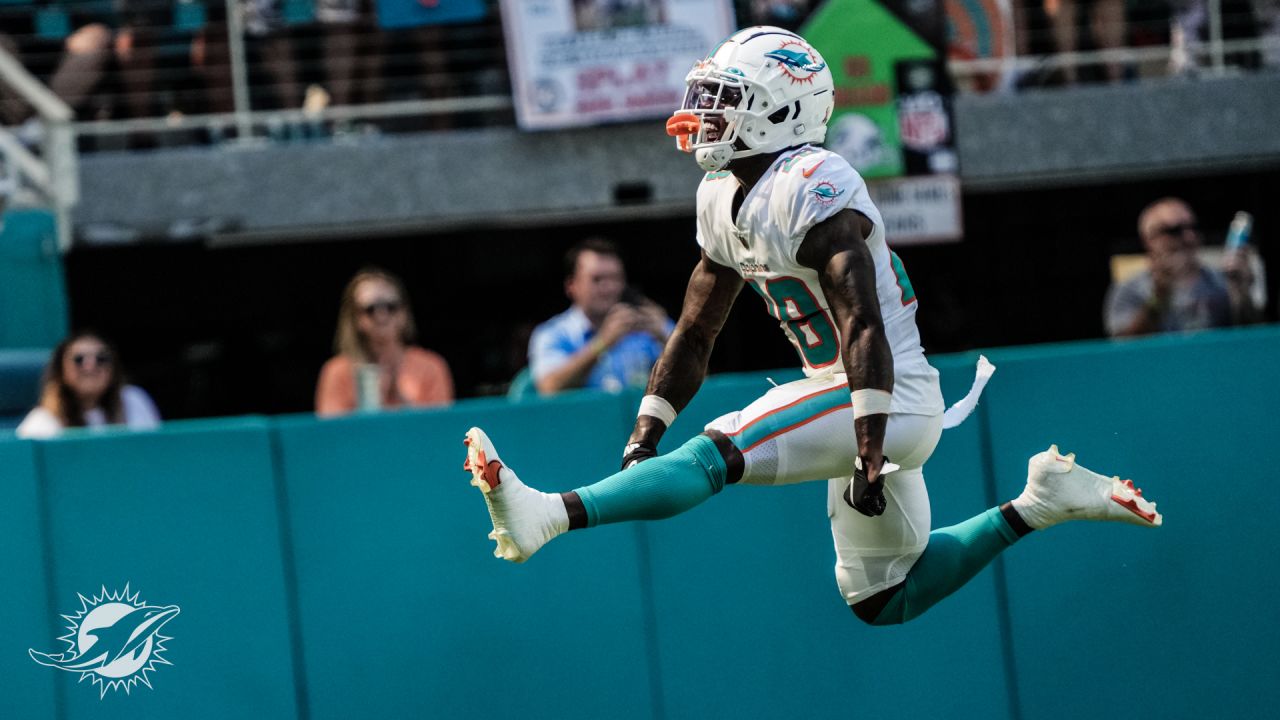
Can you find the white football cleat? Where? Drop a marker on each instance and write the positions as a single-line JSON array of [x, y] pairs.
[[523, 518], [1059, 490]]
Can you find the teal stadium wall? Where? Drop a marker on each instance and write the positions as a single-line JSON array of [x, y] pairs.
[[33, 296], [339, 568]]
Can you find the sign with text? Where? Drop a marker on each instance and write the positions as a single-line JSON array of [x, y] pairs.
[[892, 118], [920, 209], [583, 62]]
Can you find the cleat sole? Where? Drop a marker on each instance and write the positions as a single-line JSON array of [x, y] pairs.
[[1134, 505], [476, 463], [506, 549], [485, 475]]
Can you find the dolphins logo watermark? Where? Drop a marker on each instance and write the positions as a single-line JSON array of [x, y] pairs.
[[113, 641]]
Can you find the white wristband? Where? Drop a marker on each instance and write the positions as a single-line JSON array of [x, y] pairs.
[[658, 407], [870, 402]]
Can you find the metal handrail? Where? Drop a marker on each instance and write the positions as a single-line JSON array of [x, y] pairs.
[[57, 175], [965, 68], [247, 120]]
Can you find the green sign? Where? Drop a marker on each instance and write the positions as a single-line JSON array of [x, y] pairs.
[[864, 43]]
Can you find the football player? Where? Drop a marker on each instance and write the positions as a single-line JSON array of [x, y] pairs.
[[795, 223]]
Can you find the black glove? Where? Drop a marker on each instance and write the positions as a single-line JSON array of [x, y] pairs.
[[865, 497], [637, 453]]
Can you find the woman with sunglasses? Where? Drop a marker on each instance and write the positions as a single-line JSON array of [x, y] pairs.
[[84, 387], [376, 365]]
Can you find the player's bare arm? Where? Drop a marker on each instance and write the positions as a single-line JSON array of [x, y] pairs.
[[679, 372], [837, 249]]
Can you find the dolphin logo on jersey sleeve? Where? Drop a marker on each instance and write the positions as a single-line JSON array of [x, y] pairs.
[[825, 192]]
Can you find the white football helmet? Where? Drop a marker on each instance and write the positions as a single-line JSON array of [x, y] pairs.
[[762, 90]]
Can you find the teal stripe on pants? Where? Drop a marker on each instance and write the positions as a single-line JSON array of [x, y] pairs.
[[777, 420]]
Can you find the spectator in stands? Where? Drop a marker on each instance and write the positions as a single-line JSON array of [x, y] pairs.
[[113, 44], [377, 366], [13, 109], [84, 387], [270, 43], [351, 50], [606, 339], [1107, 27], [1268, 16], [275, 71], [1190, 28], [106, 68], [1177, 292]]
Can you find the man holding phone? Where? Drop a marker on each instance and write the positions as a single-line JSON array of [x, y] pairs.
[[610, 336]]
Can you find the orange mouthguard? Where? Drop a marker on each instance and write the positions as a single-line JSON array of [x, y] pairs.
[[681, 126]]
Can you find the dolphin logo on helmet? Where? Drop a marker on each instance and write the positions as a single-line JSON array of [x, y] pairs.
[[796, 60]]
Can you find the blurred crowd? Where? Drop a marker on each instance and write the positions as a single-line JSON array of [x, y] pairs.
[[123, 59], [112, 59], [607, 339], [116, 59], [610, 335]]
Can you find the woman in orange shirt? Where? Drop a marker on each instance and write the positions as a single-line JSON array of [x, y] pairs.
[[376, 365]]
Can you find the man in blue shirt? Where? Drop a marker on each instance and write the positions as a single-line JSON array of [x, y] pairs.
[[600, 342]]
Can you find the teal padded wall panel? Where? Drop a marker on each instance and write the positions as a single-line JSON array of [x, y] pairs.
[[187, 516], [1171, 622], [403, 607], [33, 299], [750, 621], [728, 611], [20, 372], [28, 690]]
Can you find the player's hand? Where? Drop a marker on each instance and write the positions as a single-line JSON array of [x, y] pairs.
[[866, 492], [636, 453]]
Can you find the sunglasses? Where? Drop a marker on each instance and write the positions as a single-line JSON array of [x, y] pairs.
[[1177, 229], [101, 359], [386, 306]]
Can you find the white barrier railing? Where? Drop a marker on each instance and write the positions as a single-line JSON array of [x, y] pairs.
[[55, 172], [52, 171], [1214, 53]]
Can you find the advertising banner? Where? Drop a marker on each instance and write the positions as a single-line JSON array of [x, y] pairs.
[[583, 62], [893, 119], [414, 13]]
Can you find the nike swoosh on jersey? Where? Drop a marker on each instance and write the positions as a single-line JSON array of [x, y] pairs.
[[809, 173]]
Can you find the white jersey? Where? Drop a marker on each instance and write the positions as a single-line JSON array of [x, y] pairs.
[[804, 187]]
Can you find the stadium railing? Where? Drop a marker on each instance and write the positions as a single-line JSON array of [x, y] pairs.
[[210, 83], [992, 47]]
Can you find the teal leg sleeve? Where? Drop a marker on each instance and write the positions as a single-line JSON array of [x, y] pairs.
[[658, 488], [954, 555]]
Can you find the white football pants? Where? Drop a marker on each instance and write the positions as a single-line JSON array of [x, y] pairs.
[[803, 431]]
